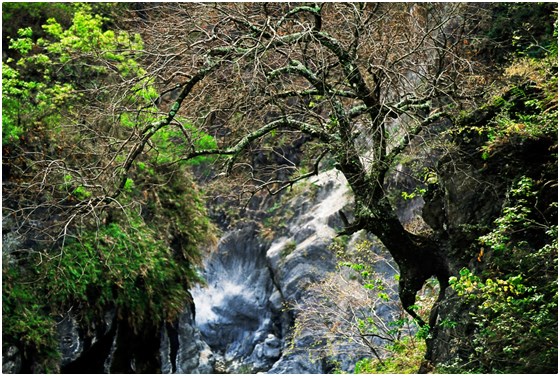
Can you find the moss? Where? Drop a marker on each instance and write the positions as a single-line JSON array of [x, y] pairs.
[[141, 263], [288, 248]]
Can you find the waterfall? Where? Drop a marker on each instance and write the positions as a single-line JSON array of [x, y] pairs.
[[244, 312], [234, 312], [240, 310]]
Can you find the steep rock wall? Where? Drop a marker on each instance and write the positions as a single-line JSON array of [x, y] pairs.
[[255, 278], [469, 196], [235, 311]]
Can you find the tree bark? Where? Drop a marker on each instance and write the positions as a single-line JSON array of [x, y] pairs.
[[417, 257]]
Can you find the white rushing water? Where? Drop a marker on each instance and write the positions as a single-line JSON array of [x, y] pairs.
[[241, 313]]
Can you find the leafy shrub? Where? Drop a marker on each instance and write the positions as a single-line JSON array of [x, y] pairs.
[[139, 255], [516, 299], [405, 358]]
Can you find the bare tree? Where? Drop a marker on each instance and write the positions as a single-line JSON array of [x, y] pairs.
[[356, 82], [352, 84], [341, 311]]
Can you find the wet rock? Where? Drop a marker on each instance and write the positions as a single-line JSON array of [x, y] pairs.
[[234, 312], [85, 349], [266, 352], [11, 360], [71, 344], [182, 349]]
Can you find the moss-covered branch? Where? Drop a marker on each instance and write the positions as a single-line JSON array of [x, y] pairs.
[[234, 151]]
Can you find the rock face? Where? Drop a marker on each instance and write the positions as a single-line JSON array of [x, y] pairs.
[[242, 311], [82, 352], [11, 360], [182, 349], [245, 312], [71, 345], [114, 348], [235, 312], [302, 257]]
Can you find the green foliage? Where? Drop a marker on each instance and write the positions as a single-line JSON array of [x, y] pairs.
[[11, 126], [516, 323], [128, 185], [170, 145], [141, 264], [24, 102], [48, 78], [406, 357], [86, 34], [423, 332], [416, 192], [516, 299], [175, 206], [427, 175], [23, 44], [514, 216], [524, 109], [139, 257], [81, 193]]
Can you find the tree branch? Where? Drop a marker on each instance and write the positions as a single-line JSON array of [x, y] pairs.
[[413, 132], [315, 10], [235, 150], [151, 129], [309, 92]]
